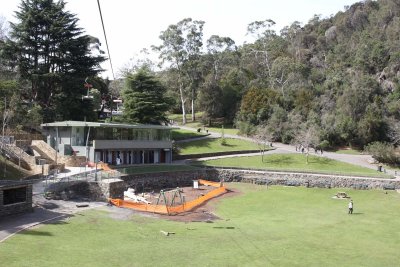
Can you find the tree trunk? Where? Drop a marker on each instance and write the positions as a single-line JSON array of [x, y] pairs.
[[183, 111], [183, 105], [193, 113]]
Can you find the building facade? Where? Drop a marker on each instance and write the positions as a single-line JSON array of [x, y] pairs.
[[111, 143]]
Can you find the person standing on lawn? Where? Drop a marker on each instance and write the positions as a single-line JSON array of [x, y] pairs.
[[351, 207]]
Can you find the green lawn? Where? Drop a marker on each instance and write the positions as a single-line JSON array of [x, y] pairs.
[[178, 117], [274, 226], [293, 162], [198, 124], [212, 145], [227, 130], [156, 168], [348, 151], [181, 134]]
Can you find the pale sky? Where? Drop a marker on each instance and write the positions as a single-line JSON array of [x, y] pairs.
[[132, 25]]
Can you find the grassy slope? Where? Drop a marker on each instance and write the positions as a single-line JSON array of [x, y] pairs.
[[293, 162], [214, 145], [197, 124], [348, 151], [227, 129], [278, 226], [180, 134]]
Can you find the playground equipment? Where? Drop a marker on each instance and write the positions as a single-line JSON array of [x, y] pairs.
[[163, 206], [130, 193]]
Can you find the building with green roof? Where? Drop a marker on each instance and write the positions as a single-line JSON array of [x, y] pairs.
[[112, 143]]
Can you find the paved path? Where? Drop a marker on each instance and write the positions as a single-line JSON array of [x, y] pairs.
[[360, 160], [45, 210], [14, 224]]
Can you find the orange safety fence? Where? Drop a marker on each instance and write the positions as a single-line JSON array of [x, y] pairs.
[[140, 206], [197, 202], [165, 209], [205, 182]]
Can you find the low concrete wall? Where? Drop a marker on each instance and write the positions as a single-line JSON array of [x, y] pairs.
[[156, 181]]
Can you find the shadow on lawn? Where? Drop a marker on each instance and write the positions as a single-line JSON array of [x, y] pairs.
[[35, 233], [283, 159]]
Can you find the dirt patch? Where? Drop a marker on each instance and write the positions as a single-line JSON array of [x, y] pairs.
[[176, 196], [203, 213], [65, 206]]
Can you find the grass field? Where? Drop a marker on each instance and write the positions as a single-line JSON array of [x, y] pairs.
[[227, 130], [293, 162], [181, 134], [214, 145], [177, 118], [348, 151], [274, 226]]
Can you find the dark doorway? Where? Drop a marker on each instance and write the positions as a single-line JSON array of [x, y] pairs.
[[14, 195], [162, 156]]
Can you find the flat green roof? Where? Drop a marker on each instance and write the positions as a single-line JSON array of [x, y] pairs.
[[104, 125]]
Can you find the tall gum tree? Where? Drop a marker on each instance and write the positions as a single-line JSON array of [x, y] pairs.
[[181, 48]]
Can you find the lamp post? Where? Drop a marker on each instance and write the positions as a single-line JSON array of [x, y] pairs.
[[95, 171]]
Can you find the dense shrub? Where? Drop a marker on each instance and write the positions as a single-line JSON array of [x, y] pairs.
[[384, 153], [246, 128]]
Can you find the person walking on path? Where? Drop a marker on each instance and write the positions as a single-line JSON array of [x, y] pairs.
[[351, 207]]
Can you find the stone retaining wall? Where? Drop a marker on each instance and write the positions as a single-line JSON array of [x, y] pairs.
[[308, 179], [156, 181], [114, 188], [89, 190], [15, 208]]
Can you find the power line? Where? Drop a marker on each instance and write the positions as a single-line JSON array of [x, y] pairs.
[[105, 37]]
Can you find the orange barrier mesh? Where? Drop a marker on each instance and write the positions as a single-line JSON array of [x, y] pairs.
[[205, 182], [165, 209]]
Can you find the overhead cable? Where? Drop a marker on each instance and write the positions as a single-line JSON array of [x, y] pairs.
[[105, 37]]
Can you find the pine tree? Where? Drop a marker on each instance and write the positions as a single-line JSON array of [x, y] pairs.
[[54, 55], [144, 99]]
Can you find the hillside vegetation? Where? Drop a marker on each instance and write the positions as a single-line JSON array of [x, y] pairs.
[[333, 80]]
